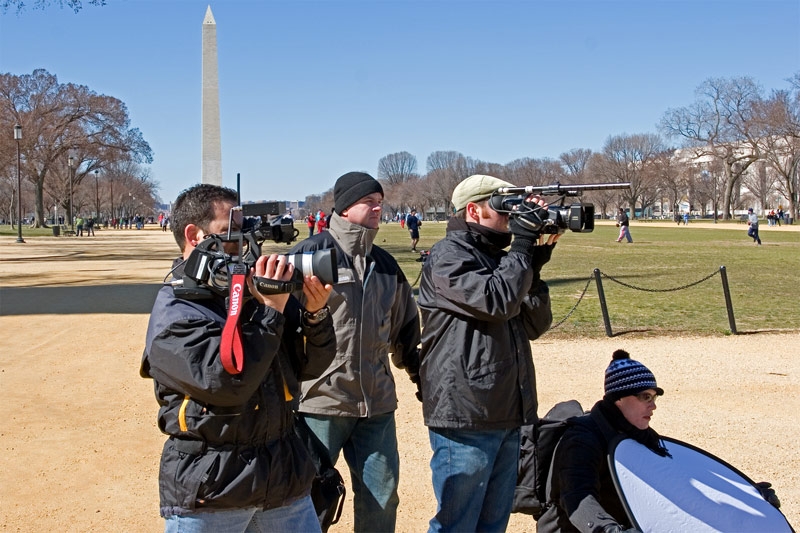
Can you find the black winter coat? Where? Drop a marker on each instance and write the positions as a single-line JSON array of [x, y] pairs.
[[232, 443], [581, 489], [480, 311]]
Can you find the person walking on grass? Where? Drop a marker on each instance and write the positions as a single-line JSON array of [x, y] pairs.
[[622, 223], [752, 230], [412, 224]]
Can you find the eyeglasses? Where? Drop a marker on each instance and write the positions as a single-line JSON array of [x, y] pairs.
[[647, 397]]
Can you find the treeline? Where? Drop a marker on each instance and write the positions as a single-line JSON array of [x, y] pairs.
[[734, 146], [76, 147]]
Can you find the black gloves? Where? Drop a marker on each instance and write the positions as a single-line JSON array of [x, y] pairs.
[[541, 255], [768, 493], [527, 226], [415, 379]]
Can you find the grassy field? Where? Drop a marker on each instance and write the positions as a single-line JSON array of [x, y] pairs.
[[763, 280]]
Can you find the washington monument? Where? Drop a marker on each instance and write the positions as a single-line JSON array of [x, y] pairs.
[[212, 145]]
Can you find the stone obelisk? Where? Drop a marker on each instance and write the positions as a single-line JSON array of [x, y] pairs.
[[212, 145]]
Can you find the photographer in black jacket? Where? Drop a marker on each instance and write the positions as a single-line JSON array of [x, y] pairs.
[[481, 306], [232, 461]]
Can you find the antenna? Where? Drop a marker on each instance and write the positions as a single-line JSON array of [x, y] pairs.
[[238, 190]]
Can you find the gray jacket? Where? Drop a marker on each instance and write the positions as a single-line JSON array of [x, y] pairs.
[[374, 314]]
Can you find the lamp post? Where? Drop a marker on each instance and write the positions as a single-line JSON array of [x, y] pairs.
[[96, 197], [18, 138], [71, 162]]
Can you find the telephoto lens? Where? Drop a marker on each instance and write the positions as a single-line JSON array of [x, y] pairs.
[[321, 263]]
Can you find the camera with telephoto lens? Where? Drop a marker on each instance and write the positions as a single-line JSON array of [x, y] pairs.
[[556, 219], [208, 270]]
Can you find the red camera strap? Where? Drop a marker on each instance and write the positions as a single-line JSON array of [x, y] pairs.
[[231, 351]]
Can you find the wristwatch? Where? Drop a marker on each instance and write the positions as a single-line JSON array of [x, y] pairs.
[[317, 316]]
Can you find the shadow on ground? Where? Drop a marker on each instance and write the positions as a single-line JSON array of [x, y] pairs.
[[110, 299]]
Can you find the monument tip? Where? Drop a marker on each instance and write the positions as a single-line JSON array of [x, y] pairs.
[[209, 18]]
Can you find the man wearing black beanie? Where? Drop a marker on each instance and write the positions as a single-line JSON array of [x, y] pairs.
[[350, 405]]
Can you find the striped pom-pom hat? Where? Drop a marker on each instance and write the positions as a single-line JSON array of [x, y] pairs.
[[626, 377]]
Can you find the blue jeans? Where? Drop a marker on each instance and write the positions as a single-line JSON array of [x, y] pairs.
[[474, 477], [370, 450], [297, 516]]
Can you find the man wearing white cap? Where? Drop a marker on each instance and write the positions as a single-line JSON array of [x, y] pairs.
[[481, 306]]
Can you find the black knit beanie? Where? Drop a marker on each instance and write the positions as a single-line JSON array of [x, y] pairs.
[[626, 377], [352, 187]]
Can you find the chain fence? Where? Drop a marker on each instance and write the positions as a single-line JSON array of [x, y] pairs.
[[598, 276]]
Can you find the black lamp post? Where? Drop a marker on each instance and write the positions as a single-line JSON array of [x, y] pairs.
[[71, 162], [18, 138]]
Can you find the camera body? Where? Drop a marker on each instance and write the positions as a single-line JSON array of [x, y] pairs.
[[556, 219], [208, 270]]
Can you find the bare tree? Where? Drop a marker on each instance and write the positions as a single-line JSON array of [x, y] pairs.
[[535, 172], [760, 181], [778, 121], [575, 162], [63, 120], [446, 169], [670, 178], [720, 124], [627, 158], [397, 168]]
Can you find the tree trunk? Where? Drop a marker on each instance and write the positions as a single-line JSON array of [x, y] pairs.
[[39, 212]]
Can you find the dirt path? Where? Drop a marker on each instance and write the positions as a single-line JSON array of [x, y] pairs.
[[80, 446]]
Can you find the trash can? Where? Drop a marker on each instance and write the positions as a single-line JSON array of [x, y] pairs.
[[56, 230]]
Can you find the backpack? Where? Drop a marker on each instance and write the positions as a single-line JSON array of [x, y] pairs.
[[537, 444]]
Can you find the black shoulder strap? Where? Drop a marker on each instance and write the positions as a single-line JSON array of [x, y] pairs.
[[318, 452]]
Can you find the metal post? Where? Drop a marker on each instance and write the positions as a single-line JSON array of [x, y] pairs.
[[603, 307], [724, 274], [111, 184], [18, 138]]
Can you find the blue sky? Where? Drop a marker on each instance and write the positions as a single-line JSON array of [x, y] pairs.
[[312, 89]]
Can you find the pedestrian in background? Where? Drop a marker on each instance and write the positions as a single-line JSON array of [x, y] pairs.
[[622, 224], [412, 224], [752, 230]]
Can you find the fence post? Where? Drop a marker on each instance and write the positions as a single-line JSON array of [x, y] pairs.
[[602, 296], [731, 320]]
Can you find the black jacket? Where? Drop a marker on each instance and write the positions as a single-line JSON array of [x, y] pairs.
[[231, 441], [581, 489], [480, 310]]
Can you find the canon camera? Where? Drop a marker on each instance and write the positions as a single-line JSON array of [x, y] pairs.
[[208, 270]]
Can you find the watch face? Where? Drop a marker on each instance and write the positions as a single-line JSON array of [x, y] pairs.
[[318, 316]]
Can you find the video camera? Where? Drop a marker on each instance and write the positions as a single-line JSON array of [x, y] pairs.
[[208, 270], [556, 219]]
